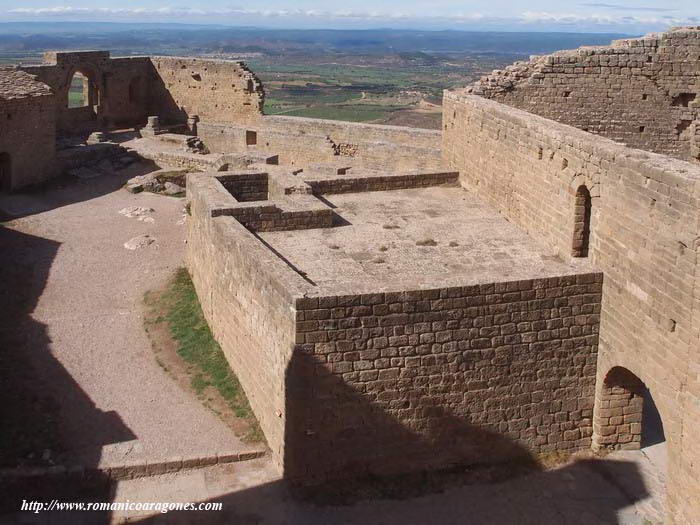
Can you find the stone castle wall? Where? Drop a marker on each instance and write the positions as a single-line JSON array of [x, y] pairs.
[[125, 91], [302, 141], [387, 382], [246, 294], [214, 90], [28, 136], [643, 236], [642, 92], [120, 89], [395, 382]]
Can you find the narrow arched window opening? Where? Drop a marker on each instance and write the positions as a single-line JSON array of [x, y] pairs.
[[582, 222]]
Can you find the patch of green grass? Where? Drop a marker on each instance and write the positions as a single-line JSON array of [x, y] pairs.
[[197, 347]]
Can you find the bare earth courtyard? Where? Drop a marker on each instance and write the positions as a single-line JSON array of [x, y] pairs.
[[117, 405], [494, 322]]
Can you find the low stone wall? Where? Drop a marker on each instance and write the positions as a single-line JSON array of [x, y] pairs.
[[270, 217], [247, 296], [643, 236], [355, 132], [301, 141], [396, 382], [245, 186], [352, 183]]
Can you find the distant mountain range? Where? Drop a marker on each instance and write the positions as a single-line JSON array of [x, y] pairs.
[[169, 38]]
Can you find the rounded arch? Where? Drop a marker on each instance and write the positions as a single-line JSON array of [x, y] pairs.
[[590, 182], [82, 89], [625, 416]]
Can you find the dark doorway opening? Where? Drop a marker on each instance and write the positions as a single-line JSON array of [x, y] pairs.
[[5, 173]]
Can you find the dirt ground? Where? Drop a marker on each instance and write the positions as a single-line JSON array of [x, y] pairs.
[[72, 334]]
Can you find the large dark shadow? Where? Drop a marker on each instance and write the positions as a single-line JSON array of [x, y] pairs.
[[44, 413], [64, 190], [652, 425], [357, 450], [162, 102]]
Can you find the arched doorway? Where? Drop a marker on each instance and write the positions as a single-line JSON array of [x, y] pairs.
[[5, 173], [626, 419], [82, 91], [618, 418], [582, 222]]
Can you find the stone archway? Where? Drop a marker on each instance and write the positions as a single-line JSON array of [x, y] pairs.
[[5, 173], [625, 415], [82, 90]]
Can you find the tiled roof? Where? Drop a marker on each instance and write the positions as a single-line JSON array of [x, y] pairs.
[[15, 83]]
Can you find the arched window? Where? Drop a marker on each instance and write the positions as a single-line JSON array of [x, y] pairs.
[[5, 172], [582, 222], [79, 91], [83, 91]]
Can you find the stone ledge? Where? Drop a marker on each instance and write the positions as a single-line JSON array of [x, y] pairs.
[[132, 470]]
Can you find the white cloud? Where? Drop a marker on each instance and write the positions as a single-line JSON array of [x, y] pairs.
[[529, 18], [532, 17]]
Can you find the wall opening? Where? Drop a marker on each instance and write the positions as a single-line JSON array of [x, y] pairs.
[[683, 99], [251, 138], [5, 173], [582, 222], [82, 91], [626, 416], [78, 91]]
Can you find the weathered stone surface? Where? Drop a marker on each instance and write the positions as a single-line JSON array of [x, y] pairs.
[[142, 241], [170, 188], [643, 236], [138, 212], [641, 92]]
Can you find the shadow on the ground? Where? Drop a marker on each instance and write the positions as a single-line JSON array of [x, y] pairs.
[[576, 495], [43, 410], [66, 190], [335, 433]]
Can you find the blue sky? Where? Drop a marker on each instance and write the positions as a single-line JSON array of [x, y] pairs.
[[512, 15]]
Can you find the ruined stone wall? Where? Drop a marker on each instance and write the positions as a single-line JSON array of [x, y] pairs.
[[351, 184], [396, 382], [216, 91], [300, 141], [642, 92], [28, 137], [246, 295], [124, 91], [120, 89], [643, 236]]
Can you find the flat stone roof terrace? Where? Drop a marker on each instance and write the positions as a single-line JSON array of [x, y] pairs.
[[414, 239]]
